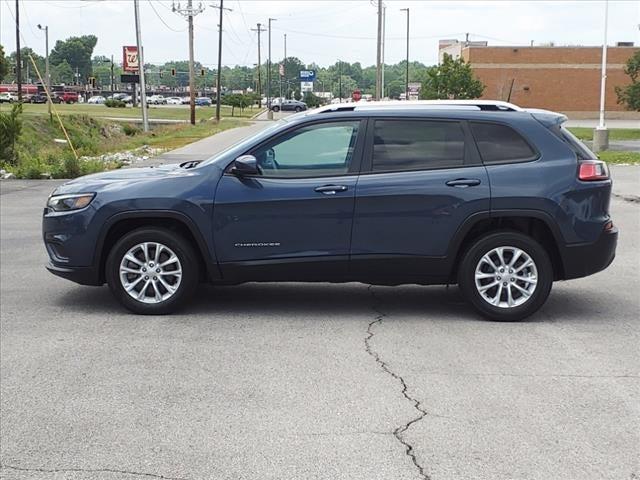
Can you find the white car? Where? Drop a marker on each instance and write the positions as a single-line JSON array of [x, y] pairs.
[[8, 97], [97, 100], [156, 100], [174, 101]]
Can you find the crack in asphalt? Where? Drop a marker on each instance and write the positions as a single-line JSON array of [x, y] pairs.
[[89, 470], [399, 431], [627, 198]]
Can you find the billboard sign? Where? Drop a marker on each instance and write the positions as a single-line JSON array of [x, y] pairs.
[[306, 86], [130, 59], [307, 75]]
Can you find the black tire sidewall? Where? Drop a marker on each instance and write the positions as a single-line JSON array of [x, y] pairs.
[[466, 275], [276, 109], [180, 246]]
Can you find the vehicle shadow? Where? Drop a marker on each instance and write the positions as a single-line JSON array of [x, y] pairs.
[[297, 300]]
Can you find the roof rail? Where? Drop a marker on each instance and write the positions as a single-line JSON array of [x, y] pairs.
[[485, 105]]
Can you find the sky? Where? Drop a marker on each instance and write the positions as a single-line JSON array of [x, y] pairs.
[[317, 31]]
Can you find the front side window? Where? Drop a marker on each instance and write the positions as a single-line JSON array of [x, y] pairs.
[[417, 145], [500, 143], [315, 150]]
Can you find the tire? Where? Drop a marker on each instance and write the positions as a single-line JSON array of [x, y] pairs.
[[172, 244], [507, 300], [298, 109], [275, 109]]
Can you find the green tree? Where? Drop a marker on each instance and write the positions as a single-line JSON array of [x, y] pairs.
[[4, 64], [10, 130], [452, 79], [629, 95], [62, 73], [77, 52]]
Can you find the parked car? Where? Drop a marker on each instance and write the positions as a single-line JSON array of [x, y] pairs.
[[501, 200], [97, 100], [65, 97], [203, 102], [38, 98], [185, 100], [174, 101], [156, 100], [8, 97], [289, 105]]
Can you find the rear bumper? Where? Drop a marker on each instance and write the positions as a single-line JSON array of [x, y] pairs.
[[586, 259], [81, 275]]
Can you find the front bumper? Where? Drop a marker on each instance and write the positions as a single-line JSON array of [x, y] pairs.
[[586, 259], [81, 275]]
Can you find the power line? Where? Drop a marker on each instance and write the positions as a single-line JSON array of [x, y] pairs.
[[162, 20]]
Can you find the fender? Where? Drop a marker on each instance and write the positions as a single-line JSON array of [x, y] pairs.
[[212, 272], [473, 220]]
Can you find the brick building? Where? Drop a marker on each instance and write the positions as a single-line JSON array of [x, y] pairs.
[[565, 79]]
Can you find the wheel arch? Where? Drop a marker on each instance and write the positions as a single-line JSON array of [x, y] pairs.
[[124, 222], [535, 223]]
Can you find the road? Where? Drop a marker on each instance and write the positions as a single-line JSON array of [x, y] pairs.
[[314, 381]]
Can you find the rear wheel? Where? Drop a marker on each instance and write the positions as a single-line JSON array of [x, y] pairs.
[[298, 109], [506, 276], [152, 271], [275, 109]]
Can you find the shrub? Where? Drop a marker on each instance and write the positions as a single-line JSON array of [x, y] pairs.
[[10, 130], [114, 103], [130, 130]]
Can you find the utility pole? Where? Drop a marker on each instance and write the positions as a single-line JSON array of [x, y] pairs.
[[219, 76], [406, 83], [143, 85], [189, 12], [269, 112], [284, 65], [47, 76], [379, 54], [601, 134], [259, 30], [384, 27], [340, 79], [112, 86], [18, 59]]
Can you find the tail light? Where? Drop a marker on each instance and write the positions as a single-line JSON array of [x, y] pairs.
[[593, 170]]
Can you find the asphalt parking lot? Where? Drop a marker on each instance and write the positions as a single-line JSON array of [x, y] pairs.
[[305, 381]]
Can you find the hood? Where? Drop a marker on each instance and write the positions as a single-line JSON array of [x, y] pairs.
[[116, 178]]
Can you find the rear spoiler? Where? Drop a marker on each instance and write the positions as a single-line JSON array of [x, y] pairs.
[[546, 117]]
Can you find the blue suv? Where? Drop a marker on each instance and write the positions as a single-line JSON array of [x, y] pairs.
[[495, 198]]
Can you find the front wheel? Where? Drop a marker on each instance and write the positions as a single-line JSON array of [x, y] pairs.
[[298, 109], [152, 271], [506, 276], [275, 109]]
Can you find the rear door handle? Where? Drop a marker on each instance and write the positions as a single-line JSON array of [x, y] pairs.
[[331, 189], [463, 182]]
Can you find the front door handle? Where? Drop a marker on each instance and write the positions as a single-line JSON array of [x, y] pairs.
[[463, 182], [331, 189]]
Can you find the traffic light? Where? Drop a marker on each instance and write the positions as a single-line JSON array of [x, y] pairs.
[[92, 82], [202, 72], [161, 73], [173, 72], [14, 70]]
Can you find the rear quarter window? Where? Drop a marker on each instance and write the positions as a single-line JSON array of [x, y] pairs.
[[499, 143]]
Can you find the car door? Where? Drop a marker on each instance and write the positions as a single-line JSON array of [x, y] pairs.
[[421, 179], [292, 221]]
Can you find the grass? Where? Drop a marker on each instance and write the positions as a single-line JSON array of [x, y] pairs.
[[614, 157], [178, 112], [38, 153], [584, 133]]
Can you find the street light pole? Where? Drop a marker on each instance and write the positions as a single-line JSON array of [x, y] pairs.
[[601, 134], [219, 76], [143, 86], [46, 60], [112, 85], [406, 83], [269, 111]]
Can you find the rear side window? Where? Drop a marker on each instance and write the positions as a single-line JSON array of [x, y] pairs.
[[501, 144], [417, 145], [582, 152]]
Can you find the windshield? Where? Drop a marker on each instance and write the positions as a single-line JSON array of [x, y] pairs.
[[245, 143]]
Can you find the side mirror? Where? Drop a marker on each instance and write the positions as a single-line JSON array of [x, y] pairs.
[[245, 165]]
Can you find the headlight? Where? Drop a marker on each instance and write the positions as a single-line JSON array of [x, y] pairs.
[[66, 203]]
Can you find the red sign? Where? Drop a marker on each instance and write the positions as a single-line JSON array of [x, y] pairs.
[[130, 59], [356, 95]]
